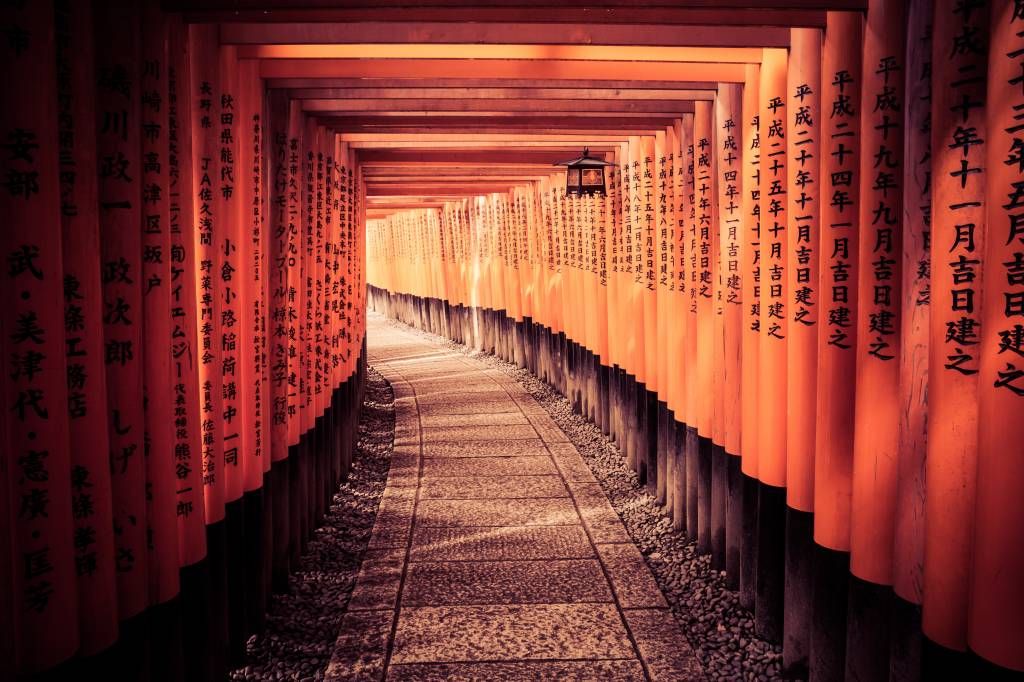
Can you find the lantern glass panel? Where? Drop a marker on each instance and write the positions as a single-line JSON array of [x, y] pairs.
[[593, 177], [572, 178]]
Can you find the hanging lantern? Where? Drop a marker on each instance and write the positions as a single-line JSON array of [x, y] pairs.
[[584, 175]]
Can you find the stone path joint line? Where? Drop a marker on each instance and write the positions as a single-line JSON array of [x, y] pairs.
[[495, 556]]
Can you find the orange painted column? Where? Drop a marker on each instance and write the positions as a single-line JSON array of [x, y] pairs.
[[669, 178], [876, 419], [296, 289], [206, 211], [750, 340], [705, 199], [185, 350], [774, 295], [282, 260], [729, 331], [691, 360], [957, 245], [162, 532], [908, 543], [729, 166], [840, 221], [647, 251], [36, 472], [995, 619], [750, 260], [252, 273], [120, 184], [83, 327], [803, 89], [803, 92], [775, 311], [613, 176]]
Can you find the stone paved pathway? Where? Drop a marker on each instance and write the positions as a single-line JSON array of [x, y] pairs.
[[495, 554]]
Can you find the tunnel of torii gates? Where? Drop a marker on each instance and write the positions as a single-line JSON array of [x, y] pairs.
[[799, 308]]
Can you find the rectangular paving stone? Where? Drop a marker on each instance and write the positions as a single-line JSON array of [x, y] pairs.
[[601, 521], [489, 432], [361, 647], [497, 419], [497, 543], [492, 487], [488, 466], [631, 578], [379, 580], [517, 671], [662, 646], [491, 393], [468, 407], [483, 448], [550, 511], [513, 632], [505, 582], [570, 463]]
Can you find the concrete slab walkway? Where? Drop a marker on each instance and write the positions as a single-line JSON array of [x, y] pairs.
[[495, 554]]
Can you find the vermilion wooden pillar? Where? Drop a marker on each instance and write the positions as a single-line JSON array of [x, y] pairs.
[[775, 306], [959, 59], [803, 116], [994, 627], [83, 326], [729, 146], [876, 431], [39, 562], [118, 67], [908, 539], [750, 344]]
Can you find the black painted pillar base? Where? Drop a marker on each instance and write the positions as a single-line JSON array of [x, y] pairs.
[[166, 662], [905, 641], [733, 521], [649, 424], [678, 453], [939, 662], [867, 630], [195, 609], [796, 641], [830, 580], [770, 583], [692, 482], [748, 543], [281, 530], [237, 574], [217, 622], [719, 495], [703, 495]]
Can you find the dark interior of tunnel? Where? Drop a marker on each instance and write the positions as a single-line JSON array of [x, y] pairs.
[[461, 340]]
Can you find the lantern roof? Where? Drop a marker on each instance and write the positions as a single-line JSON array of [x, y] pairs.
[[585, 160]]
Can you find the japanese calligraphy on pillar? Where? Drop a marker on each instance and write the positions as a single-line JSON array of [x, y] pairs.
[[281, 262], [750, 260], [83, 328], [35, 418], [230, 275], [775, 221], [879, 253], [162, 532], [841, 84], [729, 160], [959, 62], [914, 316], [803, 89], [998, 557], [705, 199], [189, 507], [206, 192], [120, 177]]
